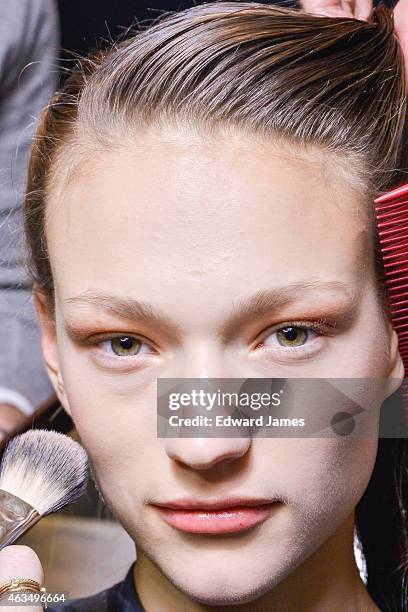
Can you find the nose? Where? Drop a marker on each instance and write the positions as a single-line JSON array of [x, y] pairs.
[[205, 360], [205, 453]]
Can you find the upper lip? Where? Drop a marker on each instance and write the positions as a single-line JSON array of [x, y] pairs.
[[215, 504]]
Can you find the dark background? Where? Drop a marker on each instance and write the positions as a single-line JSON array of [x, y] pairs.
[[86, 23]]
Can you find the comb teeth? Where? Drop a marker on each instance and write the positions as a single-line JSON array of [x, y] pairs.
[[391, 211]]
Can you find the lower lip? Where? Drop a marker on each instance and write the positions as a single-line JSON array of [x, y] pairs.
[[227, 520]]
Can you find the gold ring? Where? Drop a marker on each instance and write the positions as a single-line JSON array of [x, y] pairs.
[[22, 585]]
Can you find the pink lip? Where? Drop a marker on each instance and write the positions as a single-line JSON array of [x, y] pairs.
[[221, 516]]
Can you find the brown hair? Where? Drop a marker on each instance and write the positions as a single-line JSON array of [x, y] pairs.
[[335, 84], [328, 82]]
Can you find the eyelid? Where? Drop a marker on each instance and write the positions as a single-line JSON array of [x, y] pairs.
[[322, 326], [95, 340], [109, 356]]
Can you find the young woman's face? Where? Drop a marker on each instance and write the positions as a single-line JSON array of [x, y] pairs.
[[164, 241]]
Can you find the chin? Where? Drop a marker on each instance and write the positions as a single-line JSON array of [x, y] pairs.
[[218, 583], [210, 594]]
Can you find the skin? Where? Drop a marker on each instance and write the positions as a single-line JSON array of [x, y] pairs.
[[342, 583], [222, 220], [10, 420], [359, 9], [401, 27]]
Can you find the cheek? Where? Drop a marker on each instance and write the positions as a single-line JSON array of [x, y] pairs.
[[326, 478], [109, 411], [118, 432], [119, 451]]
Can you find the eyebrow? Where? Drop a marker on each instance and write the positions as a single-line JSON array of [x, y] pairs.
[[255, 306]]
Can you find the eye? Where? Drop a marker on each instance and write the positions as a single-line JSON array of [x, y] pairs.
[[290, 336], [125, 346], [123, 352]]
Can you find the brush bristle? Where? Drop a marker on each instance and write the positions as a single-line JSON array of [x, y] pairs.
[[46, 469], [392, 223], [391, 211]]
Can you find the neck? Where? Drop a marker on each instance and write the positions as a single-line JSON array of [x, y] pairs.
[[327, 581]]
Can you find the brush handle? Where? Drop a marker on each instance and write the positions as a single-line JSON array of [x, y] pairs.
[[16, 517]]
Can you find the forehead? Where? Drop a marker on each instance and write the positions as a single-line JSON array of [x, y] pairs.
[[203, 214]]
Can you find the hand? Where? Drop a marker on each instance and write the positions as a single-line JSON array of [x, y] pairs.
[[20, 562], [362, 9], [359, 9], [10, 419], [401, 27]]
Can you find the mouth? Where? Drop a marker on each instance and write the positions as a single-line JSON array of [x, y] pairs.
[[222, 516]]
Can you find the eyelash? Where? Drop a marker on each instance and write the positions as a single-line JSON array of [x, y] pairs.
[[98, 342], [321, 327]]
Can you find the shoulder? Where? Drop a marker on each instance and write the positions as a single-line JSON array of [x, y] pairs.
[[27, 27], [29, 39], [26, 17]]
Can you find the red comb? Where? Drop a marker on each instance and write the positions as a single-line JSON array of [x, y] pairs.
[[391, 211]]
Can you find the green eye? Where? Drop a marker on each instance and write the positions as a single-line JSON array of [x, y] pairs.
[[292, 336], [125, 346]]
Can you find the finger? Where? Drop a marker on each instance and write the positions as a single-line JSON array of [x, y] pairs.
[[20, 562], [328, 8], [363, 9], [401, 28], [359, 9], [10, 417]]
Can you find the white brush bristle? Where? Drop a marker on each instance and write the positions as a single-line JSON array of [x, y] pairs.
[[46, 469]]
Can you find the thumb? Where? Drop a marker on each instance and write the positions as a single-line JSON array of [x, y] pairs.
[[401, 28], [20, 562]]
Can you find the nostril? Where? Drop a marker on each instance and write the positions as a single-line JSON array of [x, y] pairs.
[[204, 454]]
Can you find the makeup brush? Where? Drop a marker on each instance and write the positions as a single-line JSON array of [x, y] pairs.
[[41, 472], [391, 211]]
